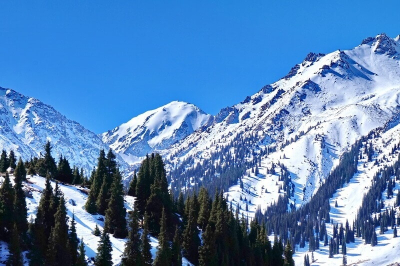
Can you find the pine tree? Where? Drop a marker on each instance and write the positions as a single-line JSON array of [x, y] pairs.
[[176, 254], [59, 238], [344, 249], [146, 247], [44, 218], [47, 164], [132, 186], [102, 198], [103, 257], [12, 160], [288, 255], [190, 237], [143, 185], [204, 213], [180, 204], [81, 261], [64, 172], [96, 183], [96, 231], [7, 210], [132, 253], [77, 179], [159, 196], [20, 210], [394, 232], [20, 172], [374, 240], [15, 257], [115, 221], [90, 204], [73, 241], [164, 251], [3, 162], [207, 252]]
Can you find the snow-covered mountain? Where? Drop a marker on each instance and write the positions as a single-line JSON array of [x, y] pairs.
[[155, 130], [305, 121], [26, 124]]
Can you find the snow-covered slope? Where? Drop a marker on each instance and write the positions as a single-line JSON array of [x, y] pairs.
[[155, 130], [26, 124], [85, 223], [349, 198], [310, 116]]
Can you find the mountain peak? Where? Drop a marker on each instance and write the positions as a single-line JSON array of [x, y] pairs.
[[382, 44], [156, 129]]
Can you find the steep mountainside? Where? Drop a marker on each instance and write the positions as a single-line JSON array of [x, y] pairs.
[[27, 123], [156, 130], [305, 121]]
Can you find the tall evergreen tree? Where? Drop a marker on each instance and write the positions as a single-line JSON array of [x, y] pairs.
[[104, 193], [58, 241], [81, 261], [12, 160], [3, 162], [176, 254], [204, 214], [143, 185], [77, 179], [64, 172], [164, 251], [103, 257], [47, 164], [146, 247], [115, 221], [7, 210], [207, 252], [102, 198], [20, 171], [132, 253], [15, 257], [288, 255], [132, 186], [96, 183], [20, 210], [73, 242], [190, 238]]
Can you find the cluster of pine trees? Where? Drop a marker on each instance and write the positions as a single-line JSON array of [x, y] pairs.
[[106, 195], [53, 241], [7, 161], [44, 165], [308, 223], [201, 229], [48, 239]]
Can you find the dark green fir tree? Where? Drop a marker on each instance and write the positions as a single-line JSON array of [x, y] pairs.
[[20, 172], [73, 241], [103, 257], [176, 253], [15, 257], [115, 222], [146, 247], [132, 253], [81, 261], [58, 241], [12, 160], [164, 251], [6, 208]]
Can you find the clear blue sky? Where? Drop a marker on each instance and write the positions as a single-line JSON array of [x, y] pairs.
[[103, 62]]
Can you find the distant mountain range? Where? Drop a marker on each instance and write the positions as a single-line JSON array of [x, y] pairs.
[[315, 112]]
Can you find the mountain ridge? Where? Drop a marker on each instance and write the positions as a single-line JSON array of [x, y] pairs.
[[26, 124]]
